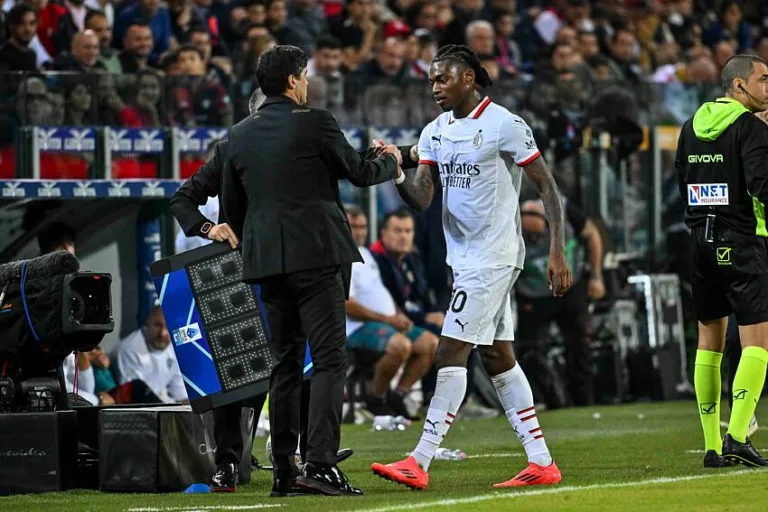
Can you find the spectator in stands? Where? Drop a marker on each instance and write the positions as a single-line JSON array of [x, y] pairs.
[[463, 11], [723, 51], [149, 89], [357, 33], [102, 374], [15, 54], [256, 11], [154, 15], [388, 65], [183, 16], [258, 40], [762, 47], [103, 6], [623, 52], [146, 354], [681, 96], [78, 104], [510, 56], [537, 308], [277, 15], [137, 47], [420, 50], [481, 37], [567, 35], [98, 22], [32, 107], [403, 273], [199, 37], [305, 26], [78, 373], [730, 25], [325, 67], [84, 53], [375, 324], [49, 15], [199, 99], [72, 22], [588, 46]]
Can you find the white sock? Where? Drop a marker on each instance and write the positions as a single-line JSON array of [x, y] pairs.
[[515, 394], [449, 394]]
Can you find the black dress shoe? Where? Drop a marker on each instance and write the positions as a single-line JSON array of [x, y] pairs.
[[286, 488], [743, 453], [713, 460], [225, 478], [326, 479]]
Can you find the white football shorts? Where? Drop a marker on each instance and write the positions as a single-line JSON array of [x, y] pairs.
[[480, 310]]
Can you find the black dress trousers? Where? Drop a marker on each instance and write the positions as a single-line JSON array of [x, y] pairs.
[[300, 306]]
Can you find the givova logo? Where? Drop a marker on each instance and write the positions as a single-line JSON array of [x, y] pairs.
[[708, 194], [705, 159]]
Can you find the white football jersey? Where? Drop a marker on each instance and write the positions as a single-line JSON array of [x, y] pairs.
[[480, 159]]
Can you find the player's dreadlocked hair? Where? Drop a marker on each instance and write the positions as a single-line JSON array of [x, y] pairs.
[[465, 54]]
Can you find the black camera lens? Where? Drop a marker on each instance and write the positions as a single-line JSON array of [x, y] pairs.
[[89, 303]]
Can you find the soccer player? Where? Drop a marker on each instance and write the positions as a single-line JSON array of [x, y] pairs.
[[476, 150]]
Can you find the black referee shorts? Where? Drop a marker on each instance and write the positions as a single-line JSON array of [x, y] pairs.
[[729, 276]]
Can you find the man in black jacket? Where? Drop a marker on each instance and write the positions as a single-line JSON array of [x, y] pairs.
[[297, 245], [722, 166], [207, 182]]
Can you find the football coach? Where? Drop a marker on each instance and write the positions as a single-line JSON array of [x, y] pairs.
[[722, 168], [209, 182], [297, 244]]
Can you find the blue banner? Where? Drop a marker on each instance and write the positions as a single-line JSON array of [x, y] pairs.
[[197, 140], [135, 140], [88, 189], [355, 138], [397, 135], [148, 250], [62, 138]]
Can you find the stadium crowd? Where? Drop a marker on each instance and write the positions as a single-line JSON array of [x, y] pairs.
[[191, 62]]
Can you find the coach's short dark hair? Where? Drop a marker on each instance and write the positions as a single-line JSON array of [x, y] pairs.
[[276, 65], [400, 213], [738, 66]]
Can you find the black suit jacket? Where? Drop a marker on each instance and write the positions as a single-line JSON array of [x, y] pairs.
[[293, 158], [289, 159], [211, 181]]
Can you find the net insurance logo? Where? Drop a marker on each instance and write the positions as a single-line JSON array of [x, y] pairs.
[[708, 194]]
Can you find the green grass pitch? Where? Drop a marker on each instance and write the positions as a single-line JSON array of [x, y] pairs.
[[644, 457]]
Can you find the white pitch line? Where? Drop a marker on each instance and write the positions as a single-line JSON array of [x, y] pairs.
[[494, 455], [501, 495], [203, 508]]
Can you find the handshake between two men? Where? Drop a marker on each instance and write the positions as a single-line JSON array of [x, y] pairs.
[[224, 233]]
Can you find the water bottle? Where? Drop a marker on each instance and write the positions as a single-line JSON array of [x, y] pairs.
[[383, 423], [448, 454]]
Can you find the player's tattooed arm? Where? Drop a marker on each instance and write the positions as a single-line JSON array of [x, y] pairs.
[[538, 172], [418, 189]]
